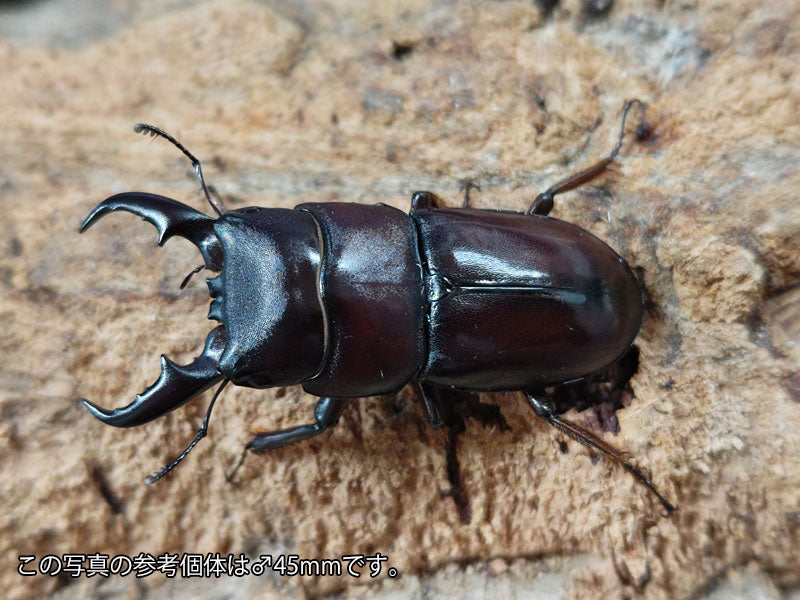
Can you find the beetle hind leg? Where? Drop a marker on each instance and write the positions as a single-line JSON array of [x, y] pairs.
[[451, 408], [430, 403], [545, 410], [326, 415], [457, 491]]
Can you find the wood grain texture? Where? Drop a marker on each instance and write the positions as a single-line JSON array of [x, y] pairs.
[[290, 102]]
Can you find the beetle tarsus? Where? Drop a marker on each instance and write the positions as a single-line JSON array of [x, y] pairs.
[[544, 202], [201, 433], [231, 475], [545, 410], [153, 131]]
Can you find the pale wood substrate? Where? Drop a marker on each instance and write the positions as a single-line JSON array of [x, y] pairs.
[[294, 102]]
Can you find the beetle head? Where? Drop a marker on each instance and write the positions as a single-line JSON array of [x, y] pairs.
[[177, 384], [266, 298]]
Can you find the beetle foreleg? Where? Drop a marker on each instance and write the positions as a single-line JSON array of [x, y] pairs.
[[543, 203], [326, 415], [545, 410]]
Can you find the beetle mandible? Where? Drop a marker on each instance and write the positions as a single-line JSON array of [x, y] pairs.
[[351, 300]]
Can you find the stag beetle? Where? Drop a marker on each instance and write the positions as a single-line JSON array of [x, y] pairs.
[[350, 300]]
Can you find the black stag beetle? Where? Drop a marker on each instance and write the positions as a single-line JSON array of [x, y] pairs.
[[350, 300]]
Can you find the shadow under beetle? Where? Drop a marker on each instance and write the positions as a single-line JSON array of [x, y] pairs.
[[350, 300]]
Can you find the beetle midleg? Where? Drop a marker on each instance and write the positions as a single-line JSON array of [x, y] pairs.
[[216, 201], [543, 203], [545, 410], [427, 200], [326, 415]]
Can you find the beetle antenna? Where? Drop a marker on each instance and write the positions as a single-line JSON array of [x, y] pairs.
[[544, 409], [193, 272], [153, 131], [543, 203], [625, 108], [201, 433]]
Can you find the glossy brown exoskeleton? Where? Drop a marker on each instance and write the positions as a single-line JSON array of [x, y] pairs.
[[350, 300]]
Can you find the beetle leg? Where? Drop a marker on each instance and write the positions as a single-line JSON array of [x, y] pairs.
[[326, 415], [216, 202], [423, 200], [543, 203], [457, 490], [449, 406], [545, 410], [431, 404], [459, 406], [452, 408], [469, 185]]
